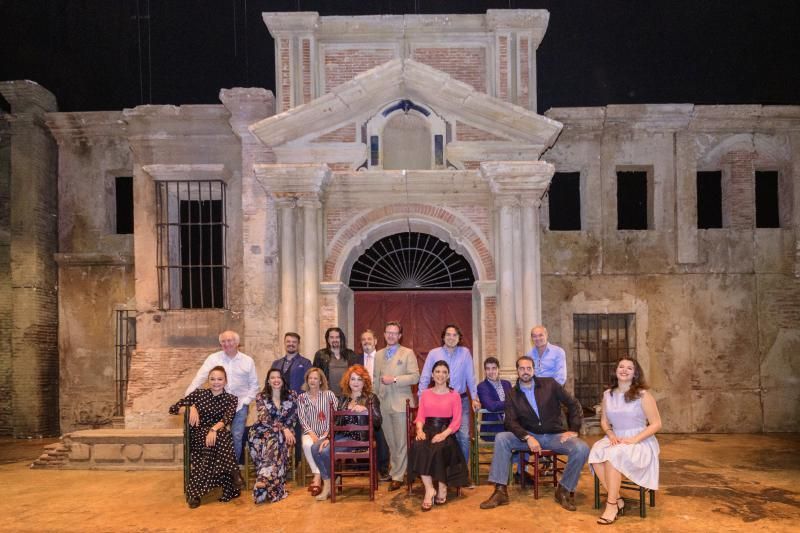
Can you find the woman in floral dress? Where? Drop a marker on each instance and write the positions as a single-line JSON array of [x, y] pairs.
[[271, 439], [211, 444]]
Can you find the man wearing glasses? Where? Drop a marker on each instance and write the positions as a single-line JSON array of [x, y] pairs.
[[396, 370]]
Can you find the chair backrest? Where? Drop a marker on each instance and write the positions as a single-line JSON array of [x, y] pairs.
[[411, 428], [480, 431], [339, 426], [187, 456]]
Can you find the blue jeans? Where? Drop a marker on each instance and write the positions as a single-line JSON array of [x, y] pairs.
[[462, 437], [237, 431], [576, 450], [323, 457]]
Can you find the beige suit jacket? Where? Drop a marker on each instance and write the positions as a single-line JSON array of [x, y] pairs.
[[403, 365]]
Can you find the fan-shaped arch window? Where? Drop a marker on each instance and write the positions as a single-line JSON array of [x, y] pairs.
[[411, 261]]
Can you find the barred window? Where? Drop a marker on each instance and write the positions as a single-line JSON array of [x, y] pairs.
[[598, 341], [192, 229]]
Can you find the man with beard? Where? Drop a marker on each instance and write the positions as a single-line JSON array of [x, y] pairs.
[[335, 358], [533, 423]]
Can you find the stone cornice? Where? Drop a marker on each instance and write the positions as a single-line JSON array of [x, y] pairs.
[[287, 23], [398, 79], [534, 20], [293, 181], [27, 96], [92, 258], [85, 125], [188, 172], [168, 121]]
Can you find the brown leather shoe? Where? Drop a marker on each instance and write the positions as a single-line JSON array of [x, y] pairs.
[[498, 497], [563, 499], [395, 485]]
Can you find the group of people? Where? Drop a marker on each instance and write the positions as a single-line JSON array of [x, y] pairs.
[[294, 405]]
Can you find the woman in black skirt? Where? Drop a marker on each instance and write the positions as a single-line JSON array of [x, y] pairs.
[[435, 454], [211, 443]]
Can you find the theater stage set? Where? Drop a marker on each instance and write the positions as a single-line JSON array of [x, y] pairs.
[[400, 170]]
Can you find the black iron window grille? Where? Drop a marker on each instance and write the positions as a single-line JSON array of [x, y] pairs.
[[124, 345], [598, 341], [191, 257], [411, 261]]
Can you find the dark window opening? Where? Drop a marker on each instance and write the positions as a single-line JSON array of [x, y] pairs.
[[564, 198], [767, 210], [124, 199], [599, 340], [709, 199], [191, 232], [374, 150], [632, 199], [201, 254], [125, 344]]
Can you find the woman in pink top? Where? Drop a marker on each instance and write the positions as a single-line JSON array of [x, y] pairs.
[[435, 454]]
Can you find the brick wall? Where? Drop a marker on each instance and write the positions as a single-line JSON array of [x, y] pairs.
[[465, 132], [490, 326], [523, 91], [345, 134], [502, 68], [342, 65], [285, 69], [739, 193], [305, 67], [464, 64]]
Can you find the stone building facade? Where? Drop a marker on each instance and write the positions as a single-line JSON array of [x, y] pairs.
[[387, 124]]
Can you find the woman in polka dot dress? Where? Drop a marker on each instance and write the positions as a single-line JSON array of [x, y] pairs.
[[271, 439], [211, 444]]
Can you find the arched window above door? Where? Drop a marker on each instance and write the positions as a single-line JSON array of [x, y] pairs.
[[411, 261]]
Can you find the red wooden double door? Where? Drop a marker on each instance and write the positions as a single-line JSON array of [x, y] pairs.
[[423, 314]]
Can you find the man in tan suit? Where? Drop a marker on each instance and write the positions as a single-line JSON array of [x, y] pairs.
[[396, 371]]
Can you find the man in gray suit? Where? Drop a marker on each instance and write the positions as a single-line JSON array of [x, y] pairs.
[[396, 370]]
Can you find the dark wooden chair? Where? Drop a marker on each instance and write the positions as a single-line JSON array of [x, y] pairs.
[[546, 464], [187, 456], [411, 432], [627, 484], [348, 456]]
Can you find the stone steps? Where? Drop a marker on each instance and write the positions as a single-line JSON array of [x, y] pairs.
[[115, 449]]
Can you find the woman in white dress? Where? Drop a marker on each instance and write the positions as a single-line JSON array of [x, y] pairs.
[[630, 420]]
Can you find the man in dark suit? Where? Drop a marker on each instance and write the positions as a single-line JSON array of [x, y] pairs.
[[492, 392], [533, 423], [335, 358], [293, 367]]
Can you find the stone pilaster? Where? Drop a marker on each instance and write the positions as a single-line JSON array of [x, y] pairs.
[[517, 187]]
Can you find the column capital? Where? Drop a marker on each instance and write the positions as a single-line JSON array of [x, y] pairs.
[[301, 182], [517, 182]]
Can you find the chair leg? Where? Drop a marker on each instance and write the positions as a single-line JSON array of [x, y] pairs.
[[652, 498], [596, 492], [642, 506], [535, 476]]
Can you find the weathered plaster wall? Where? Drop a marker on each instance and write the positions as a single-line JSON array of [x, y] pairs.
[[29, 362], [95, 263], [720, 347]]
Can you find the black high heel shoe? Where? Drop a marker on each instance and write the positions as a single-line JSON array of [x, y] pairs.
[[620, 507], [605, 521]]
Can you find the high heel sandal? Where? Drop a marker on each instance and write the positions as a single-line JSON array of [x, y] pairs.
[[605, 521], [620, 507], [427, 506]]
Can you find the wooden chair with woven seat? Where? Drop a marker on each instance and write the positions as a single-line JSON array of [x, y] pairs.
[[551, 467], [349, 455], [627, 484]]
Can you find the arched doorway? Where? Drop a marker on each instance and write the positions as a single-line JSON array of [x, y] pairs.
[[418, 280]]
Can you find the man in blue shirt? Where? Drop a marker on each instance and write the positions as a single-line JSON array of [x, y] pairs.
[[549, 360], [462, 379]]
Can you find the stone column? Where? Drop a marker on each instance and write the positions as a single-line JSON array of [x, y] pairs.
[[517, 187], [288, 261], [292, 186], [531, 266], [311, 273], [506, 318]]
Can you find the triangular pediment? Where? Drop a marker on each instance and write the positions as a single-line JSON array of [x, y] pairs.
[[407, 79]]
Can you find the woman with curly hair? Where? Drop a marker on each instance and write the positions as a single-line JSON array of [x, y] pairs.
[[271, 439], [630, 420], [357, 396]]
